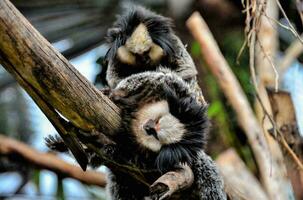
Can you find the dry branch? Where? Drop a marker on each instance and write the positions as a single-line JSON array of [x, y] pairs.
[[52, 82], [30, 58], [49, 161], [234, 93], [294, 50], [237, 176], [286, 123], [292, 143], [265, 52], [300, 9], [168, 186]]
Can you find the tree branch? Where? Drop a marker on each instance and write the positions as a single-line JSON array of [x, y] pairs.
[[49, 161], [45, 72], [236, 176]]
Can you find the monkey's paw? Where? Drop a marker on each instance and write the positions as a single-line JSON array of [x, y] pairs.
[[55, 143], [106, 91]]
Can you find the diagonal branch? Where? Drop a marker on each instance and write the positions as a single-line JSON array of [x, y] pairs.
[[48, 161], [31, 59]]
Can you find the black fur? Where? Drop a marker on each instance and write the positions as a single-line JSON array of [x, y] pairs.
[[140, 89], [193, 116], [161, 31], [159, 28], [181, 104]]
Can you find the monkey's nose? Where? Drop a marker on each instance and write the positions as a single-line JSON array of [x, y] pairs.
[[150, 124], [149, 128]]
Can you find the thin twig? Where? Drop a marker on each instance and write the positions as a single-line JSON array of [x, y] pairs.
[[290, 151], [300, 9], [287, 19], [272, 65], [293, 31]]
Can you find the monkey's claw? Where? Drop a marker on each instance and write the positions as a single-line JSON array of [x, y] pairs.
[[106, 91], [55, 143]]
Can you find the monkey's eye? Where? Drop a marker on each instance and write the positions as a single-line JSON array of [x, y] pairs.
[[156, 53], [114, 32]]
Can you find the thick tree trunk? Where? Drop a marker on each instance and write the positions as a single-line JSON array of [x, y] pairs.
[[42, 70]]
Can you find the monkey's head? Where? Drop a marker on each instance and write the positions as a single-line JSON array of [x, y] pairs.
[[163, 119], [140, 37]]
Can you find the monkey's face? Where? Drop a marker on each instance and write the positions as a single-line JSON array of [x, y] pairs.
[[139, 49], [154, 126], [140, 38]]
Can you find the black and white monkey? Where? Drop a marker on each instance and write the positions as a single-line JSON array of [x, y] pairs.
[[163, 127], [141, 40]]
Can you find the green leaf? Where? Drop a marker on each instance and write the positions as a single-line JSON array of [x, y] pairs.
[[195, 49], [214, 108]]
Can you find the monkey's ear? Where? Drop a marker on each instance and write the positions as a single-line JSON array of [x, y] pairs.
[[114, 32], [172, 98]]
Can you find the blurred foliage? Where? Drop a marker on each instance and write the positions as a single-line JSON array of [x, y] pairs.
[[14, 114], [225, 131]]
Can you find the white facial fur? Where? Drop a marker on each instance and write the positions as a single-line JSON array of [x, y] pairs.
[[171, 130]]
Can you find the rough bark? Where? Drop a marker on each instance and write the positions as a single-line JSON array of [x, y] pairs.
[[30, 58], [292, 143]]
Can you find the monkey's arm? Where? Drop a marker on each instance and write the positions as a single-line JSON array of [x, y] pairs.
[[207, 178], [186, 67]]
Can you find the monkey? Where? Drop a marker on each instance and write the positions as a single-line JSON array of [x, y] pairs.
[[163, 127], [141, 40]]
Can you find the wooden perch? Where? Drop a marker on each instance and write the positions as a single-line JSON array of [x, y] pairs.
[[49, 161], [167, 185], [240, 183], [285, 118], [292, 143], [234, 93], [57, 87]]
